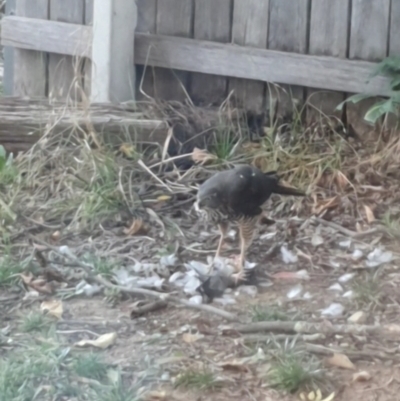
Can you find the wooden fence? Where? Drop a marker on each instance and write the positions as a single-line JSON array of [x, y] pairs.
[[202, 48]]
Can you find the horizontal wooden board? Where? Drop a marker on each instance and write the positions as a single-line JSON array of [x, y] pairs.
[[265, 65], [47, 36], [203, 56]]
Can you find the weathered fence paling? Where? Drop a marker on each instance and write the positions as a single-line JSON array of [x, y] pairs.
[[239, 44]]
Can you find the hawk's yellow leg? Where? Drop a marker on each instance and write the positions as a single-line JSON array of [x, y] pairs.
[[246, 233]]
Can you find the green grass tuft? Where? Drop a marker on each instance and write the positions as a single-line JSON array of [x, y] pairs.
[[90, 366], [265, 314], [291, 373], [200, 380]]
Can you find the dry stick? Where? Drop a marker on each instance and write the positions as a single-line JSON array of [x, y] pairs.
[[138, 311], [320, 349], [345, 231], [139, 291], [311, 328]]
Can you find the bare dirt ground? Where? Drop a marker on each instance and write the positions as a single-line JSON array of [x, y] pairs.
[[329, 261]]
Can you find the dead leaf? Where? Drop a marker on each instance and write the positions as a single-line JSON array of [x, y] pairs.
[[320, 205], [55, 236], [191, 338], [26, 278], [102, 342], [341, 180], [318, 395], [127, 150], [155, 396], [341, 361], [394, 328], [202, 156], [53, 275], [330, 397], [53, 308], [311, 396], [163, 198], [234, 365], [362, 376], [40, 285], [136, 226], [369, 213]]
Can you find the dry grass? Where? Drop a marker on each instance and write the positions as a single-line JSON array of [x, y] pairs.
[[69, 181], [68, 189]]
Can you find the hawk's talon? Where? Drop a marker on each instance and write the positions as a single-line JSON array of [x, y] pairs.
[[240, 276]]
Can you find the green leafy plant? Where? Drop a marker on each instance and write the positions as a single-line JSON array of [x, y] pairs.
[[390, 68], [3, 158]]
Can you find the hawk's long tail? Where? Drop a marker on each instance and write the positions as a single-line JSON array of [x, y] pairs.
[[280, 189]]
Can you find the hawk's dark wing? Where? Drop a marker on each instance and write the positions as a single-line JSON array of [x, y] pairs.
[[248, 189]]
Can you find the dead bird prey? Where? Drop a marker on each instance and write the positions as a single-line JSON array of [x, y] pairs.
[[236, 196]]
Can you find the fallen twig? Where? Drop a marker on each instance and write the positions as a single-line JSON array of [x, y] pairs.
[[138, 291], [138, 311], [346, 231], [320, 349], [312, 328]]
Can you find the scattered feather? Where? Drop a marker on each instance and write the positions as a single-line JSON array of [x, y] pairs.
[[348, 294], [268, 236], [196, 299], [378, 257], [191, 285], [316, 240], [346, 277], [250, 290], [333, 310], [345, 244], [225, 300], [295, 291], [168, 260], [335, 264], [198, 267], [288, 256], [91, 289]]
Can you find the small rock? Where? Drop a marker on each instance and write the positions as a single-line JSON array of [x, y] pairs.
[[348, 294], [336, 287], [359, 317], [250, 290], [357, 254], [362, 376], [346, 277]]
